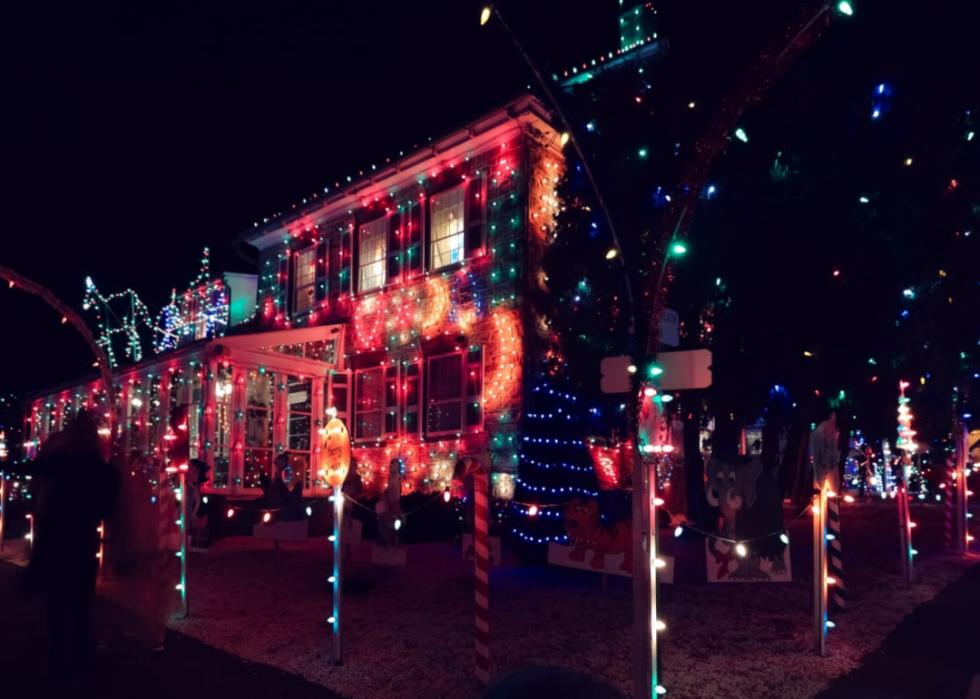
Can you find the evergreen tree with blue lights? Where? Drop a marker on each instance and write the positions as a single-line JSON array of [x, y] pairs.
[[555, 466]]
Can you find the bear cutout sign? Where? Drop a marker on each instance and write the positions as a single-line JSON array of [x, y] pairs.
[[597, 546], [750, 545]]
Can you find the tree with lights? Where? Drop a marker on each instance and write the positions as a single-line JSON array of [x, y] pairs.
[[555, 467]]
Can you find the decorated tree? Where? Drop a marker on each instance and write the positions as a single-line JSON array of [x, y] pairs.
[[555, 467]]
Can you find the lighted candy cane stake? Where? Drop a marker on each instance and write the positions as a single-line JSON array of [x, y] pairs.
[[334, 464], [950, 499], [481, 560]]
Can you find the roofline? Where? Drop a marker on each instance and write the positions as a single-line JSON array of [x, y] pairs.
[[526, 108]]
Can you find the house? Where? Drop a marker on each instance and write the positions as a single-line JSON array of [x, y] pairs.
[[399, 301]]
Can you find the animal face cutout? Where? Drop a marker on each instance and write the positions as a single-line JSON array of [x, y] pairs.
[[731, 486]]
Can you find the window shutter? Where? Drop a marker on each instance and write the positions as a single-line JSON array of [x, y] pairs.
[[413, 236], [284, 284], [345, 260], [322, 270], [476, 197]]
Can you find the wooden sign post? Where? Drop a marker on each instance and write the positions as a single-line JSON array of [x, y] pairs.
[[820, 620]]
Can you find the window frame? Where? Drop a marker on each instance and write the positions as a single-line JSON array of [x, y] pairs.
[[356, 412], [460, 233], [375, 227], [466, 364], [309, 286]]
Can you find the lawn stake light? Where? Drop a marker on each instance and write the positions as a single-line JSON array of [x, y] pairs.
[[334, 464], [181, 472], [907, 446], [824, 455], [3, 508], [962, 491]]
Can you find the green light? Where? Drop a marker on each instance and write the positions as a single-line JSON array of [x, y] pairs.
[[741, 135], [654, 370], [845, 8], [642, 153], [970, 135], [679, 249], [863, 199]]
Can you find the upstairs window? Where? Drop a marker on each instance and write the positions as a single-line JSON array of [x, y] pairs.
[[447, 239], [372, 252], [304, 280]]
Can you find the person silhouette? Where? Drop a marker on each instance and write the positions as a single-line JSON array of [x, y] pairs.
[[76, 490]]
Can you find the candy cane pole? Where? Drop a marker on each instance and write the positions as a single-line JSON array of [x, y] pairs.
[[835, 561], [481, 549], [820, 620], [950, 498]]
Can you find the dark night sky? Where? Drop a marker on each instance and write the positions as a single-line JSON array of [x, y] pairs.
[[139, 133]]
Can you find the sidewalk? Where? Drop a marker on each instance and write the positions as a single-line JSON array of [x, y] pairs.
[[185, 668], [934, 652]]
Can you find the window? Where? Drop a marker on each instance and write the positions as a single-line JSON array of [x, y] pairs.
[[369, 393], [222, 426], [446, 246], [260, 398], [336, 397], [304, 280], [372, 255], [299, 404], [455, 385]]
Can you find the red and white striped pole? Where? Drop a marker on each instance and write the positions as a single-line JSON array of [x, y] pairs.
[[481, 548], [835, 562], [949, 501]]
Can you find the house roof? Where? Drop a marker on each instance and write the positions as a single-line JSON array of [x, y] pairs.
[[405, 171]]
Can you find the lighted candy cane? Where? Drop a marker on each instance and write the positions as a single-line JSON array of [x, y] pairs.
[[481, 548], [835, 562], [334, 464], [949, 499]]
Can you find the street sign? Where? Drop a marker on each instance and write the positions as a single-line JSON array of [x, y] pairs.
[[679, 371], [685, 369], [670, 328], [615, 374]]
